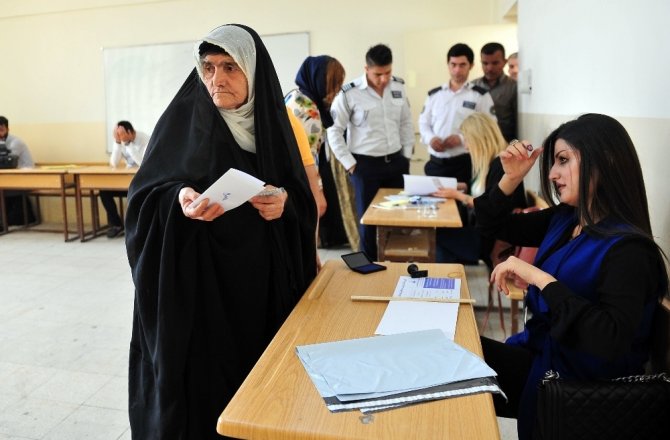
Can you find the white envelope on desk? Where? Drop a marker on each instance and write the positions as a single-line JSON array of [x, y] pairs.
[[424, 185], [408, 316], [232, 189]]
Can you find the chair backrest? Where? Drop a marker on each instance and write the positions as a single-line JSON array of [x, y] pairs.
[[502, 250], [660, 349]]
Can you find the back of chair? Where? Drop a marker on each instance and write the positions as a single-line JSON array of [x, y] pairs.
[[502, 250], [660, 350]]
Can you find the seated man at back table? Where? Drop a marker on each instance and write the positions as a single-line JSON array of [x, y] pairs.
[[14, 199], [129, 145]]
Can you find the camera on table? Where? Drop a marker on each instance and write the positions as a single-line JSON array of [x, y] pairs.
[[7, 159]]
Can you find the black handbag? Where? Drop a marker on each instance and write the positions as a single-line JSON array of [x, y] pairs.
[[634, 407]]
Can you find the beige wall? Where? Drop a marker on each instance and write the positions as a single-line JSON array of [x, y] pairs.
[[653, 154], [52, 87], [593, 56]]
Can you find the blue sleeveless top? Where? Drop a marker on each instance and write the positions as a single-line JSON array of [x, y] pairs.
[[577, 265]]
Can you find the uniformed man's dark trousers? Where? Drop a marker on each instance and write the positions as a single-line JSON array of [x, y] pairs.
[[372, 173], [459, 167]]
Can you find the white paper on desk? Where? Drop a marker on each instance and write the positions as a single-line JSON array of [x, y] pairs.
[[232, 189], [424, 185], [406, 316]]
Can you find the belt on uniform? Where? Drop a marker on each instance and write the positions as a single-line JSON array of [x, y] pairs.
[[386, 158], [443, 160]]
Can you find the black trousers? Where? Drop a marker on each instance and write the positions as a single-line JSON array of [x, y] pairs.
[[371, 174], [459, 167], [107, 199], [14, 201], [512, 364]]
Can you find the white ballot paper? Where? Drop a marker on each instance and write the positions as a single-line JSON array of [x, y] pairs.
[[424, 185], [383, 372], [232, 189], [407, 316]]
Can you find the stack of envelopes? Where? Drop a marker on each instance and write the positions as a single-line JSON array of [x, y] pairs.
[[384, 372]]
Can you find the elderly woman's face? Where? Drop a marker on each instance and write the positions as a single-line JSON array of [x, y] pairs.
[[225, 81]]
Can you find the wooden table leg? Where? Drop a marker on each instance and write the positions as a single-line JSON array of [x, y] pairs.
[[80, 209], [514, 315], [3, 213], [382, 237], [432, 243]]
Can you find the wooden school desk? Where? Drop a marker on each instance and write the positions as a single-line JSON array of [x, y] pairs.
[[95, 178], [279, 401], [29, 179], [389, 221]]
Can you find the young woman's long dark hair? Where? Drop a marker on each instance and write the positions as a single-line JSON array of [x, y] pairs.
[[611, 185]]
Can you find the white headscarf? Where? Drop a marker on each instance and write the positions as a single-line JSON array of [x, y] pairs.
[[240, 45]]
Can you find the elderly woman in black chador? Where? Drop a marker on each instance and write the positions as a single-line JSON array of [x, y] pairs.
[[212, 287]]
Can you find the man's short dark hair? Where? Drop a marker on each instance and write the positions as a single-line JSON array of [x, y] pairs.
[[4, 121], [379, 55], [491, 48], [127, 125], [461, 50]]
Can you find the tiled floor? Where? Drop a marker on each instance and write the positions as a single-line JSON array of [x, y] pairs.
[[65, 317]]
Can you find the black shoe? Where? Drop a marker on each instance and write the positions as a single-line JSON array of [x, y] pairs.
[[114, 231]]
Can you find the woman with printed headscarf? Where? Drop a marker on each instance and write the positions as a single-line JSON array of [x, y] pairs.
[[212, 287], [319, 79]]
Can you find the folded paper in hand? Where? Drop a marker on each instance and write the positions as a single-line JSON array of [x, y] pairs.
[[424, 185], [232, 189]]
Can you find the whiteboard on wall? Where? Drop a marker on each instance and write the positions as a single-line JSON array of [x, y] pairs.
[[140, 81]]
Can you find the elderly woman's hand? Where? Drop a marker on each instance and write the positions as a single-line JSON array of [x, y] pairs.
[[527, 272], [270, 207], [203, 211]]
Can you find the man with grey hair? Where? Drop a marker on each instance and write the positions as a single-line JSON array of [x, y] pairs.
[[501, 87]]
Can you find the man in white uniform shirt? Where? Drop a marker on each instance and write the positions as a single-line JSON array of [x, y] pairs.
[[374, 112], [443, 112], [130, 146], [14, 200]]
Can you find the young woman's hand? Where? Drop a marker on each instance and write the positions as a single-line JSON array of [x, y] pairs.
[[526, 271], [518, 158], [448, 193]]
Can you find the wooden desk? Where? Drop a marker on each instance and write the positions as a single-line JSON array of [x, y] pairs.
[[279, 401], [95, 178], [27, 179], [388, 220]]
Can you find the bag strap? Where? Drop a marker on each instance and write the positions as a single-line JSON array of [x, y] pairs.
[[660, 377], [552, 375]]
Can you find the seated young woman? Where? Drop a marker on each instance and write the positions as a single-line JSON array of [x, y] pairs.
[[484, 141], [598, 273]]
